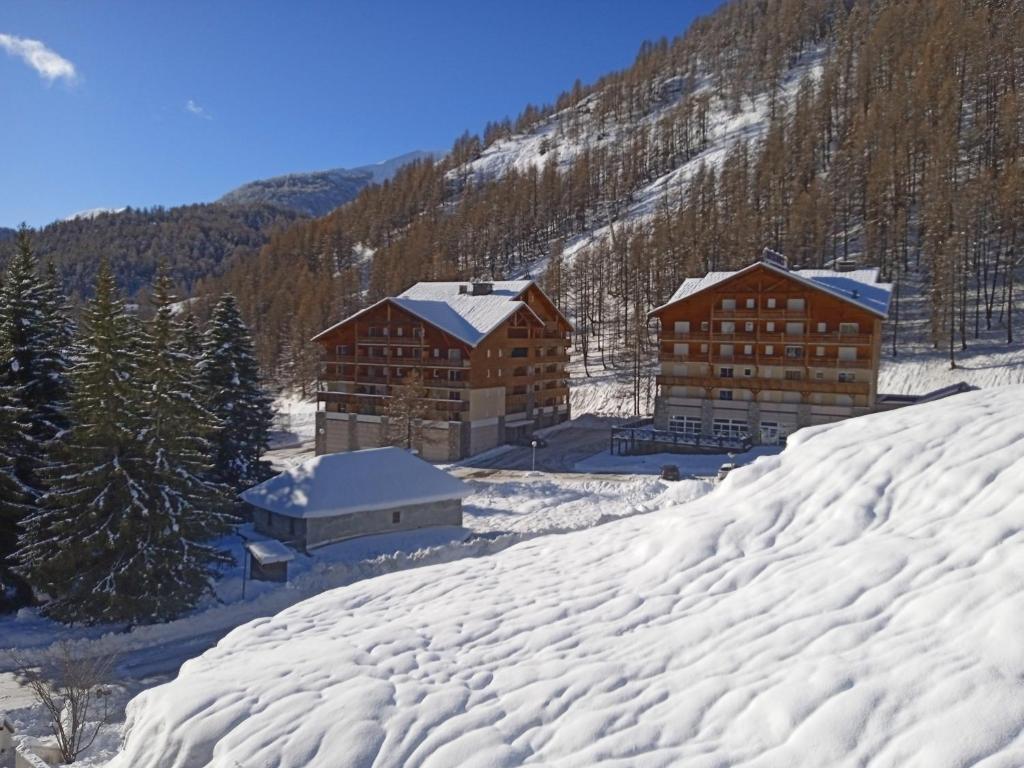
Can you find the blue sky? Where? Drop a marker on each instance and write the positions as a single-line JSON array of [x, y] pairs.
[[110, 104]]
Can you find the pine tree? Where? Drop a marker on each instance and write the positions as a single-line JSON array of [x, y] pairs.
[[178, 450], [16, 499], [109, 543], [232, 390], [26, 362]]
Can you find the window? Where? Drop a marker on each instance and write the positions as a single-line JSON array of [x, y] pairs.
[[822, 327], [520, 352], [399, 352], [748, 349], [725, 373], [748, 372], [437, 352], [750, 303], [769, 349], [849, 328], [795, 305], [729, 428], [847, 376], [725, 394], [819, 375], [725, 350], [794, 329], [749, 326], [771, 327], [396, 518], [500, 373], [771, 303], [291, 526], [728, 327], [704, 348], [795, 352], [455, 355], [819, 351], [399, 331], [729, 304], [847, 353], [794, 375], [684, 425], [681, 350], [343, 350], [682, 326], [488, 353], [704, 325]]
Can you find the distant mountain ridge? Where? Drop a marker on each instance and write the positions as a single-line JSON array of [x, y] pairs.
[[6, 233], [319, 192]]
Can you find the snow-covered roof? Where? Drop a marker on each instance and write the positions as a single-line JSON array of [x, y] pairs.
[[359, 481], [270, 551], [453, 308], [860, 286]]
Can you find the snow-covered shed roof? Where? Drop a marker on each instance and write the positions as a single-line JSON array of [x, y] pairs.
[[359, 481], [455, 309], [860, 286], [269, 551]]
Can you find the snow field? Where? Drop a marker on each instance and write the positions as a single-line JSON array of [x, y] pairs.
[[855, 600]]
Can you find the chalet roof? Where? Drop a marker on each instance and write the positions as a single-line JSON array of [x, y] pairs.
[[359, 481], [860, 286], [469, 318]]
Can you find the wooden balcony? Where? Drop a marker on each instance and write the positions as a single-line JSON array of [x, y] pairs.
[[365, 403], [407, 361], [760, 384]]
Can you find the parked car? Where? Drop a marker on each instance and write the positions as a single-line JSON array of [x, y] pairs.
[[724, 470], [670, 472]]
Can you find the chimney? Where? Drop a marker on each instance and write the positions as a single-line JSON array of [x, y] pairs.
[[483, 289]]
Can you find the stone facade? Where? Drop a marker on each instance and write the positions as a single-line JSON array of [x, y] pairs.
[[309, 533]]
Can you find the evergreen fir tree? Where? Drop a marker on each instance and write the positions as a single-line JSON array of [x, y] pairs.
[[178, 448], [58, 337], [16, 499], [108, 544], [234, 395], [25, 364]]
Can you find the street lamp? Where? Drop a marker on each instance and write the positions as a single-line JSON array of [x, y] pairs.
[[533, 465]]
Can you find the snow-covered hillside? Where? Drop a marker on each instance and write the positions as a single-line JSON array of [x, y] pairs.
[[856, 600]]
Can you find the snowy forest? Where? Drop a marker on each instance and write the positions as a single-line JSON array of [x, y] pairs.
[[885, 133], [123, 444]]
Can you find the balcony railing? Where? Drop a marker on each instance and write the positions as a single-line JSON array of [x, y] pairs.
[[760, 383]]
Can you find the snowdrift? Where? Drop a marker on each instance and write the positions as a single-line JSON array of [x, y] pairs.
[[856, 600]]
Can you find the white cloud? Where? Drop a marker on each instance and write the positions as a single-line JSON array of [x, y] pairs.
[[195, 109], [49, 64]]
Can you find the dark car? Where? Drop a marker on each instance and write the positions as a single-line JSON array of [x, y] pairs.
[[670, 472]]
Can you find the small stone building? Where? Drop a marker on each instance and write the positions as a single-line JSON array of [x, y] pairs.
[[340, 496]]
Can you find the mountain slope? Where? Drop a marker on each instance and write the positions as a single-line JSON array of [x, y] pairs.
[[857, 600], [827, 131], [196, 242], [319, 192]]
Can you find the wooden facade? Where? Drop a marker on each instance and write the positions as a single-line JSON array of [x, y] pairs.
[[766, 352], [477, 394]]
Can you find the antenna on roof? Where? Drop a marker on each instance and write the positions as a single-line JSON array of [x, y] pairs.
[[776, 259]]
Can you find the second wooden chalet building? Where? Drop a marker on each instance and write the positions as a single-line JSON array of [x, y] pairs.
[[490, 359], [766, 350]]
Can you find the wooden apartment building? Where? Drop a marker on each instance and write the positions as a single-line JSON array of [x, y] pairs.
[[491, 359], [766, 350]]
